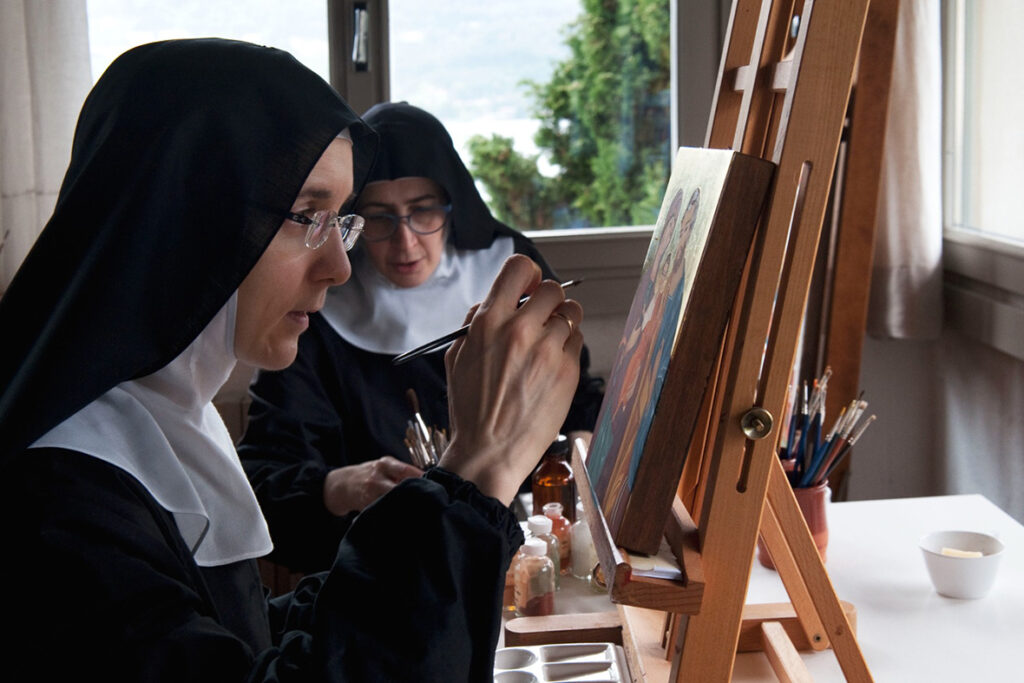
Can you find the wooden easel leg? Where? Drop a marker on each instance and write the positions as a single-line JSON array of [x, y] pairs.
[[783, 657], [786, 565], [812, 575]]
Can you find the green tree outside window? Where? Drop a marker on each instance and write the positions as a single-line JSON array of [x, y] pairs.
[[604, 125]]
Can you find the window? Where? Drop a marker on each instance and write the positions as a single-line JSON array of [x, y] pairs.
[[983, 251], [985, 142], [500, 68], [466, 62], [560, 110]]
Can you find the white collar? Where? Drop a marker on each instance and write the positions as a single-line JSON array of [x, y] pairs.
[[164, 430], [376, 315]]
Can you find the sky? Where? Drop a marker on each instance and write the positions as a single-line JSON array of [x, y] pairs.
[[461, 60]]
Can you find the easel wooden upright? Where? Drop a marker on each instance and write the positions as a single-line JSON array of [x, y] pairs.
[[783, 98]]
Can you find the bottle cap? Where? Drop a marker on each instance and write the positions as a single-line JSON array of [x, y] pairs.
[[538, 524], [535, 546], [552, 509]]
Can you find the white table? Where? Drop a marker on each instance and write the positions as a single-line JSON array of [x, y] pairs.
[[906, 630]]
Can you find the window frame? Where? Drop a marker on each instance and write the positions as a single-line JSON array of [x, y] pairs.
[[696, 62], [983, 273]]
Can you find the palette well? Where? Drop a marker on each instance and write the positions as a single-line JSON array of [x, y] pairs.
[[567, 662]]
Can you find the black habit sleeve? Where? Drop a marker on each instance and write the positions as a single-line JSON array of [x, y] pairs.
[[336, 405], [105, 588]]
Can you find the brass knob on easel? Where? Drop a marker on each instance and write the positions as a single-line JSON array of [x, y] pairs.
[[757, 423]]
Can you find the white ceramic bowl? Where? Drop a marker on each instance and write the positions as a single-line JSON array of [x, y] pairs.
[[962, 577]]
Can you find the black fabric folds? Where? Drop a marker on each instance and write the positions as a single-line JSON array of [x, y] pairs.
[[177, 182], [109, 589], [414, 143]]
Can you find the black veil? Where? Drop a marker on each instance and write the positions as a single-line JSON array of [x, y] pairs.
[[414, 143], [185, 156]]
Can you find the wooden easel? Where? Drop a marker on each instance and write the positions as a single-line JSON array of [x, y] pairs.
[[784, 99], [852, 248]]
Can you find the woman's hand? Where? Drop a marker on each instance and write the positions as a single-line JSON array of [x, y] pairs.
[[352, 488], [511, 379]]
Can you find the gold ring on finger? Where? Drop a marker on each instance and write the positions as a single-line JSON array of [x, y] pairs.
[[566, 318]]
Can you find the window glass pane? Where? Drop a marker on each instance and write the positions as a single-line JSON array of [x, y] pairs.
[[298, 26], [990, 153], [559, 107]]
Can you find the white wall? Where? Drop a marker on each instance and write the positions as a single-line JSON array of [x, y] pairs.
[[896, 456]]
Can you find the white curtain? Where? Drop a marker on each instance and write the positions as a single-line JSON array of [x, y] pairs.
[[44, 78], [906, 280], [949, 406]]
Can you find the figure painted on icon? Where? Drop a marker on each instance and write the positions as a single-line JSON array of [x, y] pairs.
[[642, 360]]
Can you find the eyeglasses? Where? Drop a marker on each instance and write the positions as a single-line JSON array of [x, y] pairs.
[[422, 220], [322, 222]]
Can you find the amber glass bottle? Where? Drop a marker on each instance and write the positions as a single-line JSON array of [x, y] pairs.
[[553, 481]]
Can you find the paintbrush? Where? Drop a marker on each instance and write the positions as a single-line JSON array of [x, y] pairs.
[[418, 437], [442, 342]]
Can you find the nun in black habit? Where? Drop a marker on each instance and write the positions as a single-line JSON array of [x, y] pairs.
[[326, 435], [196, 225]]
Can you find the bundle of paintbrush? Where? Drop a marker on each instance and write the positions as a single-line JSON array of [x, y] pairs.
[[425, 444], [808, 457]]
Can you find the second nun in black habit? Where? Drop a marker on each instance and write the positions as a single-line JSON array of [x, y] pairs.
[[326, 435], [198, 225]]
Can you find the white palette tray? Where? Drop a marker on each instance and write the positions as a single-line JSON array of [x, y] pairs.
[[566, 663]]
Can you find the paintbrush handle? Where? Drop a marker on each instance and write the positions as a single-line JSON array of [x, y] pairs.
[[431, 346], [451, 337]]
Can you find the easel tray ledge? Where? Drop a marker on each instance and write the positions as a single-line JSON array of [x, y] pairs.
[[671, 581]]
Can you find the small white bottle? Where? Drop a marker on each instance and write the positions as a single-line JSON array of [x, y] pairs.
[[535, 581], [584, 556], [561, 527], [540, 527]]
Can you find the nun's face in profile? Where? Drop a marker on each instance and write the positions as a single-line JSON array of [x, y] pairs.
[[290, 280], [407, 258]]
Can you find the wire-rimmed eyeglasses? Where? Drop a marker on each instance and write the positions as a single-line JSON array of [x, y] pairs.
[[422, 220], [321, 223]]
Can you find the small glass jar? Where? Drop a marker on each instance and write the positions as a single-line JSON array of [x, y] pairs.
[[584, 554], [535, 581], [540, 527]]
